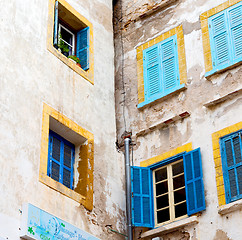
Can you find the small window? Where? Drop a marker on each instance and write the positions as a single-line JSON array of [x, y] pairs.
[[71, 36], [61, 160], [231, 152], [167, 191], [225, 33]]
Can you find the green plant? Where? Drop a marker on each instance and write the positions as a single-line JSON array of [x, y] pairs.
[[62, 45], [75, 58]]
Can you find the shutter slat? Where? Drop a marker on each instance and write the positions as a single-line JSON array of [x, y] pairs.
[[235, 19], [219, 38], [194, 182], [82, 51], [169, 64], [142, 208]]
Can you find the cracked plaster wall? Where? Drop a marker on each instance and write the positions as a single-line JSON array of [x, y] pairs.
[[29, 76], [131, 31]]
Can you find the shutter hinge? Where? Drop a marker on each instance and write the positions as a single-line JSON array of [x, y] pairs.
[[209, 25], [145, 92], [213, 63]]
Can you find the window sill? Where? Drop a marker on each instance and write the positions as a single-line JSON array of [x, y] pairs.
[[170, 227], [231, 207], [161, 97], [223, 68]]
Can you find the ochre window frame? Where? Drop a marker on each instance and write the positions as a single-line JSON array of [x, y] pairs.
[[88, 74], [181, 58], [218, 160], [83, 193], [205, 33]]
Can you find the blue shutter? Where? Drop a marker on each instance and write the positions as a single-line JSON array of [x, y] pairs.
[[142, 198], [82, 51], [194, 182], [56, 25], [232, 166], [235, 23], [219, 40], [152, 75], [169, 64]]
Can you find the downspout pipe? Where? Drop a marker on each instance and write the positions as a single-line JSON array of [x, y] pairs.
[[128, 188]]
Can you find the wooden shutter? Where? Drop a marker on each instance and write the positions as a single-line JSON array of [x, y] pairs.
[[142, 198], [235, 24], [219, 39], [194, 182], [169, 64], [82, 51], [152, 74], [56, 25], [232, 166]]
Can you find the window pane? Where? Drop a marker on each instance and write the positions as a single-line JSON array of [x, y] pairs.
[[178, 182], [161, 174], [229, 153], [162, 202], [65, 35], [179, 195], [67, 156], [55, 171], [56, 149], [239, 175], [66, 178], [180, 210], [161, 188], [177, 168], [232, 183], [163, 215], [237, 150]]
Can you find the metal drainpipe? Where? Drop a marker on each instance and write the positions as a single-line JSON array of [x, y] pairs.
[[128, 188]]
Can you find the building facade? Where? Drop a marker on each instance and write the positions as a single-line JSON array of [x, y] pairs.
[[178, 94], [61, 175]]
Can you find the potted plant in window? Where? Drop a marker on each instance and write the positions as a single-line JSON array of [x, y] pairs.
[[75, 59], [63, 47]]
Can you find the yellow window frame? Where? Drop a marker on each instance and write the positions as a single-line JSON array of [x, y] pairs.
[[181, 58], [83, 193], [88, 74]]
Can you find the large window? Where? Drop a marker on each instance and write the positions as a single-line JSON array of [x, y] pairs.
[[231, 152], [222, 36], [168, 190]]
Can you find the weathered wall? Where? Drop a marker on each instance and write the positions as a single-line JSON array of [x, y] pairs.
[[29, 76], [150, 131]]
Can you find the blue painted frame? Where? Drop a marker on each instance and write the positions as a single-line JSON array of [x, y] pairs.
[[232, 59], [61, 163], [163, 92], [225, 167]]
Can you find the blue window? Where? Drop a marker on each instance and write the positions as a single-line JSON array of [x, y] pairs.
[[231, 153], [61, 155], [225, 32], [71, 40], [167, 191], [161, 69]]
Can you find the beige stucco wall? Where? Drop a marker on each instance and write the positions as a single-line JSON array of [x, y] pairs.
[[152, 134], [30, 75]]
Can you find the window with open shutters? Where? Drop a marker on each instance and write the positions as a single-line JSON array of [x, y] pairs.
[[61, 156], [168, 190], [231, 153], [71, 36], [161, 69], [225, 33]]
